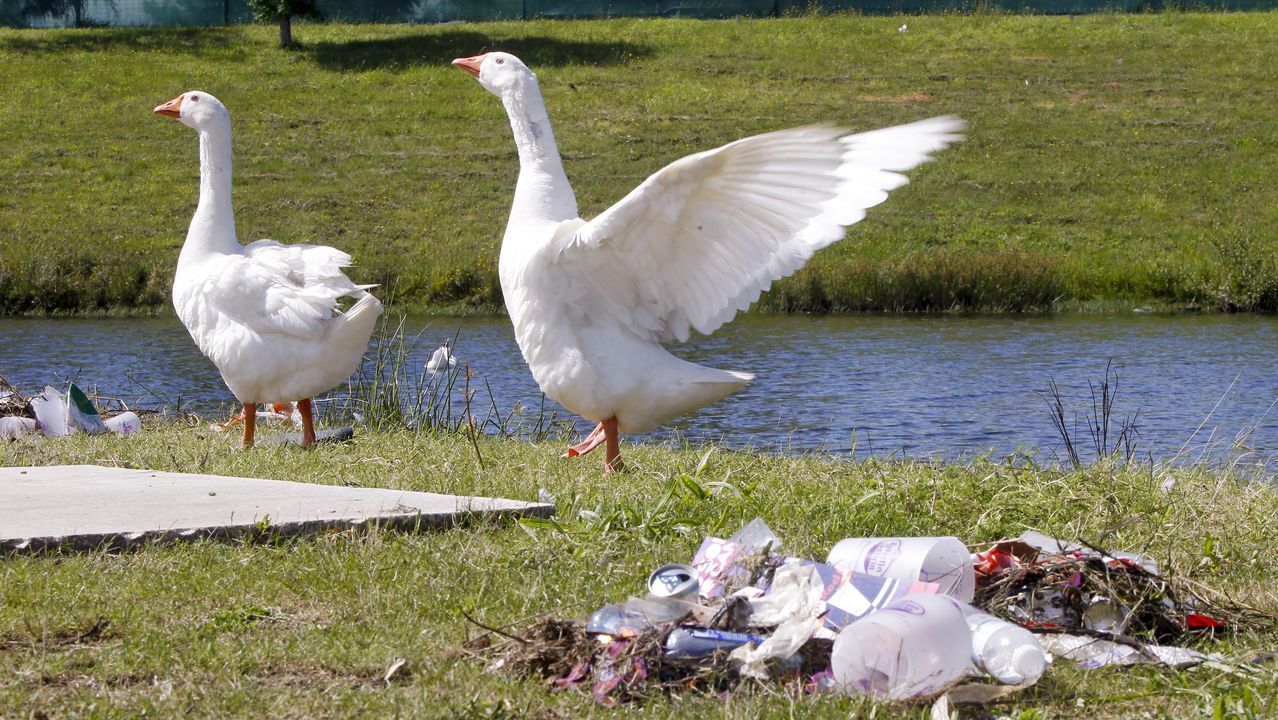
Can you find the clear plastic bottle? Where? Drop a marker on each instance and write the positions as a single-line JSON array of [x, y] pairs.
[[1008, 652], [618, 621]]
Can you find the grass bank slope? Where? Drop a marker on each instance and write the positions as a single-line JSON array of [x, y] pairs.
[[1111, 158], [306, 628]]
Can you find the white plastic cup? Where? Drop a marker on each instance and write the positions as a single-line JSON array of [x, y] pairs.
[[942, 560], [911, 648], [126, 423], [12, 428]]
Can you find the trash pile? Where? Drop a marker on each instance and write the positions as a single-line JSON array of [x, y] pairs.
[[53, 414], [911, 618]]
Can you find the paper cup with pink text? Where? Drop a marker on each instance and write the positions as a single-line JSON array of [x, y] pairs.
[[941, 560]]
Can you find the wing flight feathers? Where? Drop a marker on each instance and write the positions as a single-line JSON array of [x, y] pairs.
[[703, 237]]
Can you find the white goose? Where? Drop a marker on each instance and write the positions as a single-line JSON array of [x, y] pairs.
[[266, 314], [592, 302]]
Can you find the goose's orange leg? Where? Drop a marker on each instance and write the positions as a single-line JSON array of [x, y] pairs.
[[250, 423], [308, 423], [612, 454], [592, 441]]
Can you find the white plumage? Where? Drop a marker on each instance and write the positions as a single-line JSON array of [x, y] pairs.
[[694, 244], [266, 314], [441, 359]]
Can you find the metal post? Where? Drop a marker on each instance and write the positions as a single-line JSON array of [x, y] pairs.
[[226, 12]]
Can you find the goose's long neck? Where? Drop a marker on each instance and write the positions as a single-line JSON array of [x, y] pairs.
[[543, 192], [212, 230]]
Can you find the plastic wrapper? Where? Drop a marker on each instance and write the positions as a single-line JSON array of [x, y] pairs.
[[1090, 652], [792, 605]]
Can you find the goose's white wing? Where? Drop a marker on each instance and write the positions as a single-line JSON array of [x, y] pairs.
[[286, 289], [700, 239]]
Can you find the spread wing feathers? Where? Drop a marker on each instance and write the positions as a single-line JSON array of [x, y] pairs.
[[286, 289], [703, 237]]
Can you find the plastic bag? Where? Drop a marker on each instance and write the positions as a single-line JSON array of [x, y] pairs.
[[51, 410]]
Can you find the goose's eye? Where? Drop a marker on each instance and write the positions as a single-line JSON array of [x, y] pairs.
[[501, 61], [194, 98]]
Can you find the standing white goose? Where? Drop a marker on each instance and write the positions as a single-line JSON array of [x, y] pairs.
[[266, 314], [592, 302]]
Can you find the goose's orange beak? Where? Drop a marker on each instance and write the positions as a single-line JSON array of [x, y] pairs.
[[470, 64], [172, 108]]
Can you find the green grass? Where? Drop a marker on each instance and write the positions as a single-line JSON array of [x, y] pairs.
[[1112, 160], [306, 628]]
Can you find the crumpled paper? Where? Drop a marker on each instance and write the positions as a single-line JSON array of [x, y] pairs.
[[793, 604]]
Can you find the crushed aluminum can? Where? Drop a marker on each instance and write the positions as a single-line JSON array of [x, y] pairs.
[[675, 581], [687, 642]]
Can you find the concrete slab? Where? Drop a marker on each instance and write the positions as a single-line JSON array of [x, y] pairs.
[[90, 507]]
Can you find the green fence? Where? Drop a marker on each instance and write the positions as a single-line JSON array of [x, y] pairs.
[[62, 13]]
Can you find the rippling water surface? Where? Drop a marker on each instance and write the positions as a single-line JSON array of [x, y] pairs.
[[919, 386]]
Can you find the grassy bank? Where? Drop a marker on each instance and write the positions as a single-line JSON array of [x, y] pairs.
[[307, 627], [1112, 159]]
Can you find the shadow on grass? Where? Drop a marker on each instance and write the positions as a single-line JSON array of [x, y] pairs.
[[433, 49], [187, 40]]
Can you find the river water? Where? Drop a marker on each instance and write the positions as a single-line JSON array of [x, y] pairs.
[[1198, 386]]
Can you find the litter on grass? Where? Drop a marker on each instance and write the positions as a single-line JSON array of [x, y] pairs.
[[883, 617], [52, 414]]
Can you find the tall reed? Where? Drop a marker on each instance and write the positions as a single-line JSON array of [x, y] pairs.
[[393, 389]]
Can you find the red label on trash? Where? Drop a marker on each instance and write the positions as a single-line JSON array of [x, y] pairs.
[[1201, 622]]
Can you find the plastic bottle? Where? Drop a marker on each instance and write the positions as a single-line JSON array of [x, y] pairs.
[[910, 648], [1008, 652], [617, 621]]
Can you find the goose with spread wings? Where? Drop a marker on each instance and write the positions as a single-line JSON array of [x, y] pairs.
[[594, 302]]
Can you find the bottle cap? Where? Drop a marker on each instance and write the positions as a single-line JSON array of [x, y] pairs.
[[1028, 664]]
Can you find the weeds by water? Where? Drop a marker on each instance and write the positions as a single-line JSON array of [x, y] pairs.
[[1107, 436], [393, 389], [939, 280], [1250, 278]]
